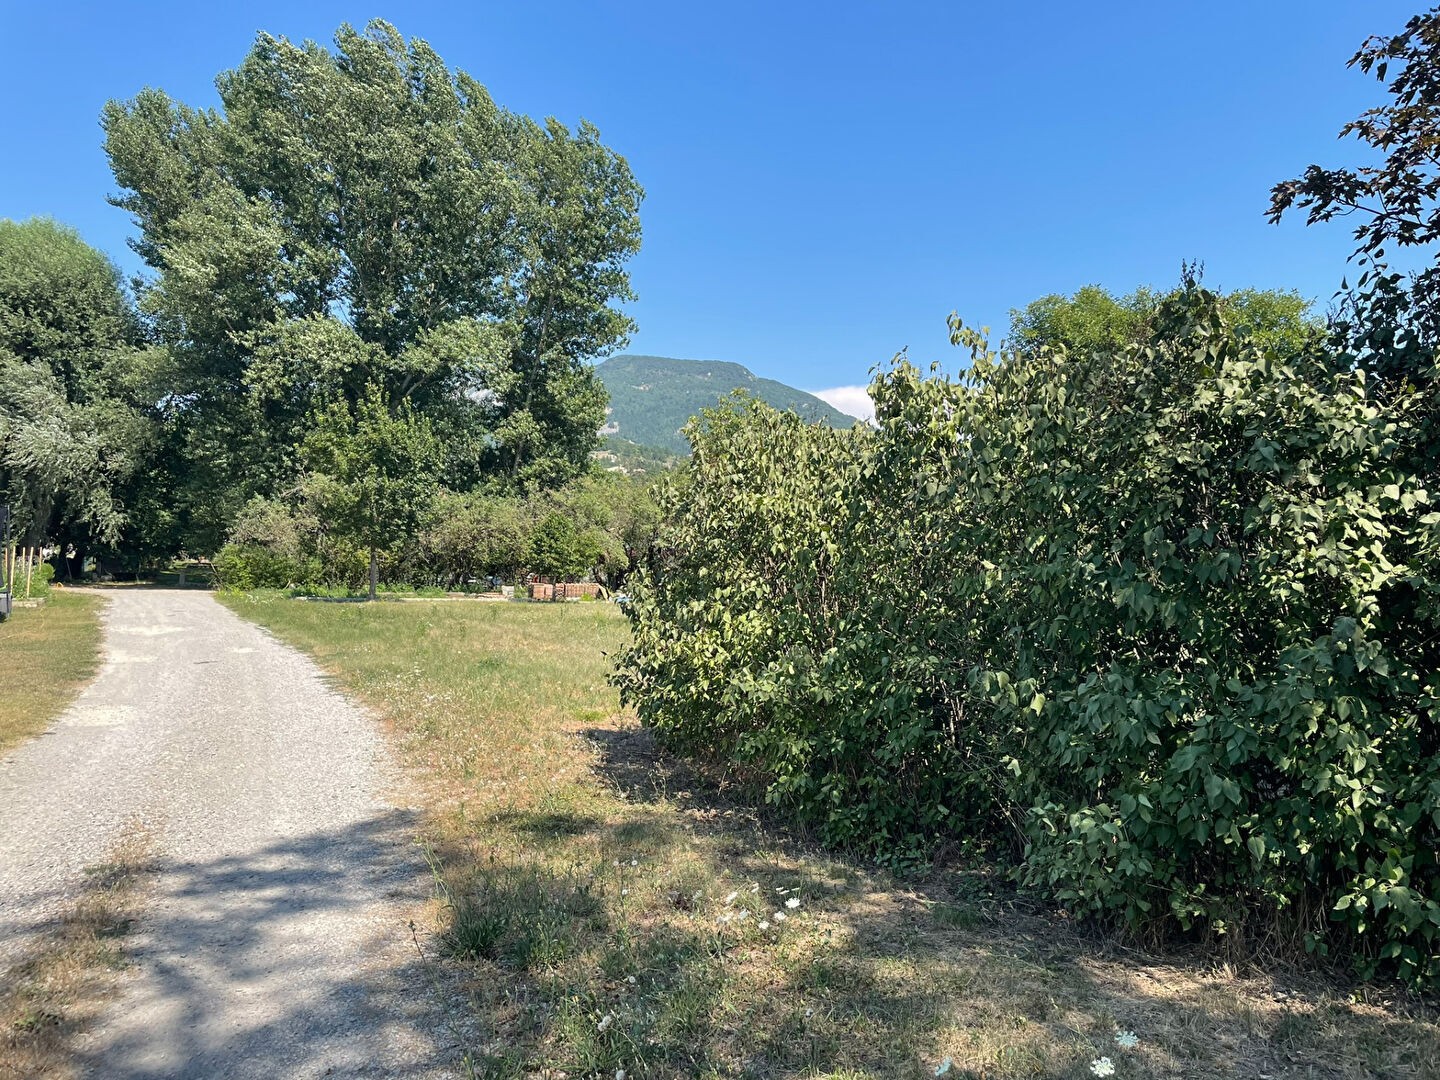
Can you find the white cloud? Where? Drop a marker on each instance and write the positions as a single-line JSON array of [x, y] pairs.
[[851, 400]]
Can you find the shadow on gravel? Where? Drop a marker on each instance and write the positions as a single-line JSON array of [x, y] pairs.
[[273, 964]]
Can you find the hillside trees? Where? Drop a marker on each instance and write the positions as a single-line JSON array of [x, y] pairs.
[[365, 216], [79, 389]]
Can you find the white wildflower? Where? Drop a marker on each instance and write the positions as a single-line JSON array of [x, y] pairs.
[[793, 903], [943, 1067], [731, 898], [624, 892], [1127, 1040], [630, 979], [763, 924], [634, 862], [724, 918], [605, 1022], [809, 1013], [754, 886], [779, 916], [742, 915], [619, 1074], [1102, 1067]]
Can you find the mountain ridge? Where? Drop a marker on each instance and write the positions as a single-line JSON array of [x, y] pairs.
[[652, 397]]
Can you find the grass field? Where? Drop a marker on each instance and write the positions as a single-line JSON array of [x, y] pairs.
[[46, 655], [602, 909]]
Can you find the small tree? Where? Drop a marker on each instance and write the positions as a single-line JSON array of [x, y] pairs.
[[372, 471], [472, 535], [558, 550]]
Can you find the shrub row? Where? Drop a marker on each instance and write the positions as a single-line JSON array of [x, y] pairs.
[[595, 526], [1158, 622]]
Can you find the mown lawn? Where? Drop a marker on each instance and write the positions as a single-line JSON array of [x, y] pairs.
[[605, 909], [46, 655]]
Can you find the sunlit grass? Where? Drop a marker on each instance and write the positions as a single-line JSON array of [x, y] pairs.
[[585, 885], [47, 654]]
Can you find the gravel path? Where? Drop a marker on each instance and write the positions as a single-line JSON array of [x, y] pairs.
[[274, 941]]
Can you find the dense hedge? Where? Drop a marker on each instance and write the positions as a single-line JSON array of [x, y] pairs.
[[597, 525], [1159, 621]]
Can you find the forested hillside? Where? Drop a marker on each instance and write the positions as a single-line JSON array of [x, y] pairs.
[[652, 397]]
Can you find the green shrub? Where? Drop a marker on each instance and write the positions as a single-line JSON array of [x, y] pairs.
[[40, 579], [765, 636], [1160, 620], [243, 567], [1211, 576]]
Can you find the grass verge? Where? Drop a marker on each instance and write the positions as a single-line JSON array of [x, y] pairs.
[[53, 993], [610, 911], [46, 655]]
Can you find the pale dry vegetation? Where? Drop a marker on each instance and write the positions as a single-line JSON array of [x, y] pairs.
[[57, 989]]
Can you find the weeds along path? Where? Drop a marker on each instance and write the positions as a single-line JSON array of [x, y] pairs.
[[275, 941]]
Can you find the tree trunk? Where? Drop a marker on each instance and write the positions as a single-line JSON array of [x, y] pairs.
[[374, 572]]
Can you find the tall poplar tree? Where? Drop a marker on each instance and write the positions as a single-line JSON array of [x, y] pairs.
[[364, 215]]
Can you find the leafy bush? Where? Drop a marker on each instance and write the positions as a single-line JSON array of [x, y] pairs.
[[254, 566], [767, 634], [1200, 568], [598, 526], [35, 582], [1160, 619]]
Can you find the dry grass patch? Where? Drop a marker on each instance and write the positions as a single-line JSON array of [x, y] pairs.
[[54, 993], [46, 654], [585, 885]]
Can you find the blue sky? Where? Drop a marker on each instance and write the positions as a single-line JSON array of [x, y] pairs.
[[825, 182]]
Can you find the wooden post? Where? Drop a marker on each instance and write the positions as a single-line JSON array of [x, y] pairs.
[[29, 569]]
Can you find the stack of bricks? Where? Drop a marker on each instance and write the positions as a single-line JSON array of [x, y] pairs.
[[565, 590]]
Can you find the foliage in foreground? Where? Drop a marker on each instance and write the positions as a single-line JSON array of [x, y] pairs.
[[583, 875], [1159, 619]]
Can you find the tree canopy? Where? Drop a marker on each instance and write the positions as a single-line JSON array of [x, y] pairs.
[[364, 215], [1394, 199], [77, 386], [1097, 320], [371, 472]]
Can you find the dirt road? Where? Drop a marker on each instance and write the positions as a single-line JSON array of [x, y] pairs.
[[274, 941]]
